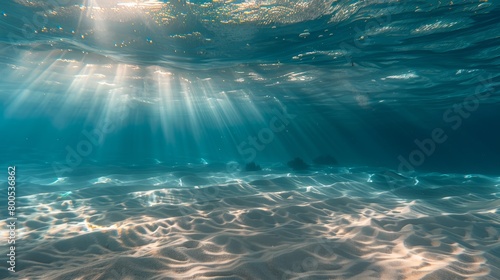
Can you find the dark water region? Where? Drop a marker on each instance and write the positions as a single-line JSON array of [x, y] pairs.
[[366, 139]]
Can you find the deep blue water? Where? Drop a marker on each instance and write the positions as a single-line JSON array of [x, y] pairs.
[[102, 89]]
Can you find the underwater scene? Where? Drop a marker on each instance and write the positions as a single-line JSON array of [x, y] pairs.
[[250, 139]]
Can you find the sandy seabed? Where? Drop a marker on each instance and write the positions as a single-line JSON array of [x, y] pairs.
[[203, 223]]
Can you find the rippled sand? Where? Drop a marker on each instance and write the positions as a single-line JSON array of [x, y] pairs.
[[205, 223]]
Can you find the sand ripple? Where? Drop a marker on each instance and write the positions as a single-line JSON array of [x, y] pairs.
[[318, 225]]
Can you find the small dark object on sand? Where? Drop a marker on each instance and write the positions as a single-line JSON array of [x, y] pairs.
[[252, 167], [298, 164], [325, 160]]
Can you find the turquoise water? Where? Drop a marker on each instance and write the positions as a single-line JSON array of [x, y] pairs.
[[129, 118]]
